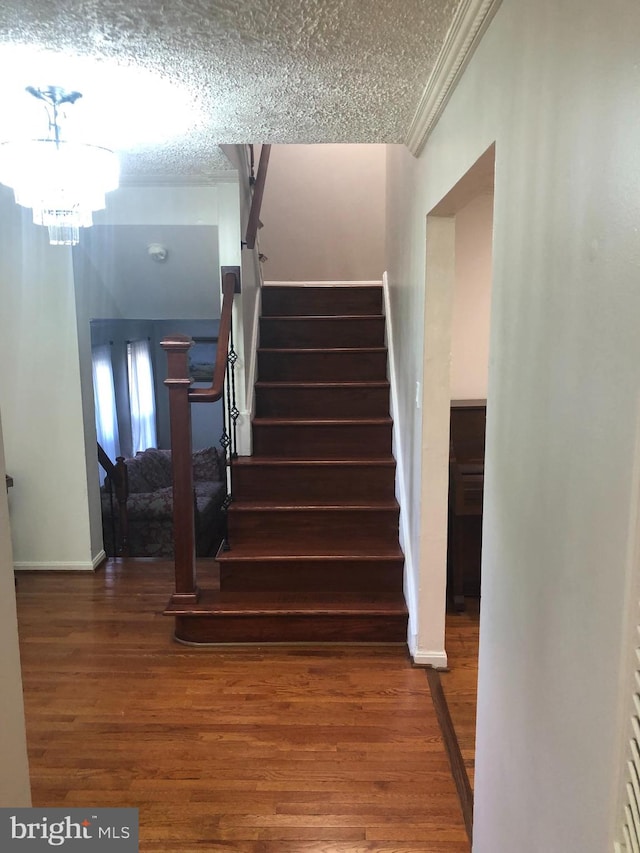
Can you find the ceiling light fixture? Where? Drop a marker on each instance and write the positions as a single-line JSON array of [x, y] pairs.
[[157, 252], [61, 180]]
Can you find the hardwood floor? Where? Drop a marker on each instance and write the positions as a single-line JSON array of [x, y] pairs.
[[460, 684], [291, 749]]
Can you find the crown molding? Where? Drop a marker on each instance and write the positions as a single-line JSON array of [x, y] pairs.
[[471, 20], [223, 176]]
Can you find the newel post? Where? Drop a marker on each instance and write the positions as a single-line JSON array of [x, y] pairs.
[[178, 384]]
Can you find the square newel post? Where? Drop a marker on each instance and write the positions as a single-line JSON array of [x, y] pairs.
[[178, 383]]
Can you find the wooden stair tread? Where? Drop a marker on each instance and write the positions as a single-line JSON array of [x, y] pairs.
[[257, 602], [296, 317], [341, 350], [306, 286], [320, 506], [321, 421], [293, 551], [249, 461], [317, 385]]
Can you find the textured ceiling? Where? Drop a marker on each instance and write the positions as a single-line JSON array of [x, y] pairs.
[[249, 70]]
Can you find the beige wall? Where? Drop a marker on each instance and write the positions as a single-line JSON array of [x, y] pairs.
[[555, 85], [14, 767], [472, 300], [40, 397], [323, 213]]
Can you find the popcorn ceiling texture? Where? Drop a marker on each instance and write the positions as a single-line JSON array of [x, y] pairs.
[[259, 70]]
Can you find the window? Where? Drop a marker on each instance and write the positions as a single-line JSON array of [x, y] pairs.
[[141, 395], [104, 399]]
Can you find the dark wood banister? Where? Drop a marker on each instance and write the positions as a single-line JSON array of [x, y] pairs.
[[256, 202], [214, 391], [181, 395], [119, 479], [106, 463]]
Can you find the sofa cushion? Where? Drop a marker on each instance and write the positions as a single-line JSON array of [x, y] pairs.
[[208, 464], [151, 505], [149, 470], [137, 470]]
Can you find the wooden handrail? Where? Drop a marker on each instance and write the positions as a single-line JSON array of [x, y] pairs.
[[118, 477], [106, 463], [256, 202], [230, 285]]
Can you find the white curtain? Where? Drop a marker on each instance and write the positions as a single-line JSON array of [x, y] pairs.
[[104, 399], [141, 395]]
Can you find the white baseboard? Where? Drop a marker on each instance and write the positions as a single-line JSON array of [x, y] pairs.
[[99, 558], [59, 566], [401, 490], [243, 433], [437, 660], [245, 442]]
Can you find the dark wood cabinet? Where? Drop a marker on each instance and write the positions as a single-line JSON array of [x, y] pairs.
[[466, 483]]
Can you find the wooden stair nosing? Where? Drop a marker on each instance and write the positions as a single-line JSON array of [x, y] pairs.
[[288, 552], [267, 506], [344, 351], [273, 617], [270, 461], [297, 317], [322, 422], [213, 602], [274, 629], [319, 385]]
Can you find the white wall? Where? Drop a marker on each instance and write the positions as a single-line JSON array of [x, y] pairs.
[[323, 213], [472, 300], [555, 85], [14, 768], [40, 397]]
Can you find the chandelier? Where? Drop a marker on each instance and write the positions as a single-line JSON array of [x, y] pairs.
[[61, 180]]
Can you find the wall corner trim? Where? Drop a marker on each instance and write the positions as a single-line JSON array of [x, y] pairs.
[[468, 27], [99, 559]]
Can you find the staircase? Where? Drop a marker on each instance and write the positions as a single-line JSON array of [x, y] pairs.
[[313, 526]]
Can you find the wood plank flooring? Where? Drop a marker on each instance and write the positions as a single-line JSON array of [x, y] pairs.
[[292, 749], [460, 683]]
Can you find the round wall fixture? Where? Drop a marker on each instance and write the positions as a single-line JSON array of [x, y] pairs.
[[157, 252]]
